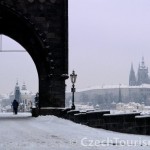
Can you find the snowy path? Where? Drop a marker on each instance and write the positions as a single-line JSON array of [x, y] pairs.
[[22, 132]]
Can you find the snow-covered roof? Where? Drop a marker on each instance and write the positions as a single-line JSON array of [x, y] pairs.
[[25, 92], [143, 116], [113, 87], [120, 114]]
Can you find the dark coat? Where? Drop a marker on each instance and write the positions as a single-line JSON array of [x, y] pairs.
[[15, 104]]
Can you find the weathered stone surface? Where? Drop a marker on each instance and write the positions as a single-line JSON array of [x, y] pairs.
[[81, 118], [71, 113], [121, 122], [41, 27], [133, 123], [95, 118], [143, 125]]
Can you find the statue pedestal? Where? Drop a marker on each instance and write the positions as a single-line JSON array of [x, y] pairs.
[[59, 112]]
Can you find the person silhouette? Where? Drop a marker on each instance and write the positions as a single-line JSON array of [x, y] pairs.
[[15, 106]]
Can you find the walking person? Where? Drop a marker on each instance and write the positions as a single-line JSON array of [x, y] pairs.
[[15, 106]]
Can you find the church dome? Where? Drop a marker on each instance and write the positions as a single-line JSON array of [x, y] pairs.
[[24, 90]]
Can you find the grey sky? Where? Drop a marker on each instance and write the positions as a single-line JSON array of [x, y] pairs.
[[105, 36]]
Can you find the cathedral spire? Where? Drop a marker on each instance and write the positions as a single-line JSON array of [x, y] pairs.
[[132, 78], [17, 83], [143, 63], [132, 66]]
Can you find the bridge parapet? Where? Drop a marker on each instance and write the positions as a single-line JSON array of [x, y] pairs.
[[125, 122], [71, 113], [143, 124], [121, 122], [81, 118], [95, 118], [133, 123]]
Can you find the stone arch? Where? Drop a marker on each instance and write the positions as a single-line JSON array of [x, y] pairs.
[[31, 36]]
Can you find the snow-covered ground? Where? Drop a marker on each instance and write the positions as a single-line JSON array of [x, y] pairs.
[[22, 132]]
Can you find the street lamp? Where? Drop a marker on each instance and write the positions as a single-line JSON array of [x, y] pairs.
[[73, 77]]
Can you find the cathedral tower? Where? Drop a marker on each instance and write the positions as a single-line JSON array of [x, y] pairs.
[[132, 78], [17, 92], [142, 75]]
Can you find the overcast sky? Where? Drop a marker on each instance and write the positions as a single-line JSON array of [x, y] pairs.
[[105, 36]]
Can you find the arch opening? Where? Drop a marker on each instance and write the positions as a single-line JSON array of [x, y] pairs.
[[19, 77]]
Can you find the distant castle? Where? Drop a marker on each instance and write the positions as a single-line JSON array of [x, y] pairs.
[[142, 75]]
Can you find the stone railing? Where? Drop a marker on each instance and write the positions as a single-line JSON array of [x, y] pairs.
[[133, 123]]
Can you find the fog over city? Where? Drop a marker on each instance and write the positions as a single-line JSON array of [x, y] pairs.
[[105, 37]]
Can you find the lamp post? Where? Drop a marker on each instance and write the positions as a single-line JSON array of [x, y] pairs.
[[73, 77]]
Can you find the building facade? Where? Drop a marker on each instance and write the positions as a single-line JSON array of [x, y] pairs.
[[106, 96]]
